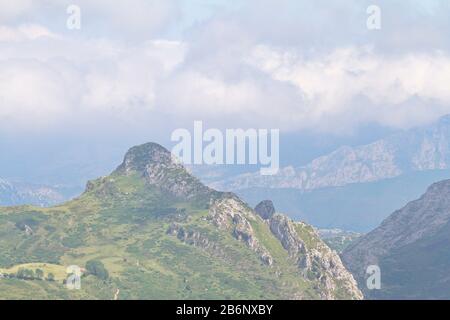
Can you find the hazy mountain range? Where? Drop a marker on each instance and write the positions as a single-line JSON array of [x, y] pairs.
[[18, 193], [354, 188], [418, 149]]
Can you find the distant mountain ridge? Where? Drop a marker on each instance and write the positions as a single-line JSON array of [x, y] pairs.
[[19, 193], [419, 149], [359, 207]]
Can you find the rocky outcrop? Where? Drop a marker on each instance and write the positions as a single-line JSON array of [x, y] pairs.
[[315, 260], [160, 168], [138, 158], [189, 236], [231, 214], [265, 209], [195, 238], [284, 229]]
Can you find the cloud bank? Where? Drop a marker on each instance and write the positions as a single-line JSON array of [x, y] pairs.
[[292, 65]]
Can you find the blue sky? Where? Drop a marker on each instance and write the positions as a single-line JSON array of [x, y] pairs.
[[138, 69]]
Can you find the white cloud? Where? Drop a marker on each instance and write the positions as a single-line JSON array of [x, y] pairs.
[[30, 94], [399, 90], [230, 69], [42, 89], [250, 85], [128, 80]]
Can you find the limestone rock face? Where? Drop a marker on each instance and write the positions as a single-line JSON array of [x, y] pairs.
[[138, 158], [160, 168], [315, 260], [233, 215]]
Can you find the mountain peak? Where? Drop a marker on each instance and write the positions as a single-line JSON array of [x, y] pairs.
[[138, 158], [158, 167]]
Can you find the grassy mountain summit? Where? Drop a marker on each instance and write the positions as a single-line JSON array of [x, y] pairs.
[[153, 231]]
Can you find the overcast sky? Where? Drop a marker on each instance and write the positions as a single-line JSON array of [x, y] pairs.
[[142, 68]]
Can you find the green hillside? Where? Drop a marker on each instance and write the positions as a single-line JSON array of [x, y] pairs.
[[161, 234]]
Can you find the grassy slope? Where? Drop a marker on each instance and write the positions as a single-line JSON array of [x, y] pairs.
[[123, 222]]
